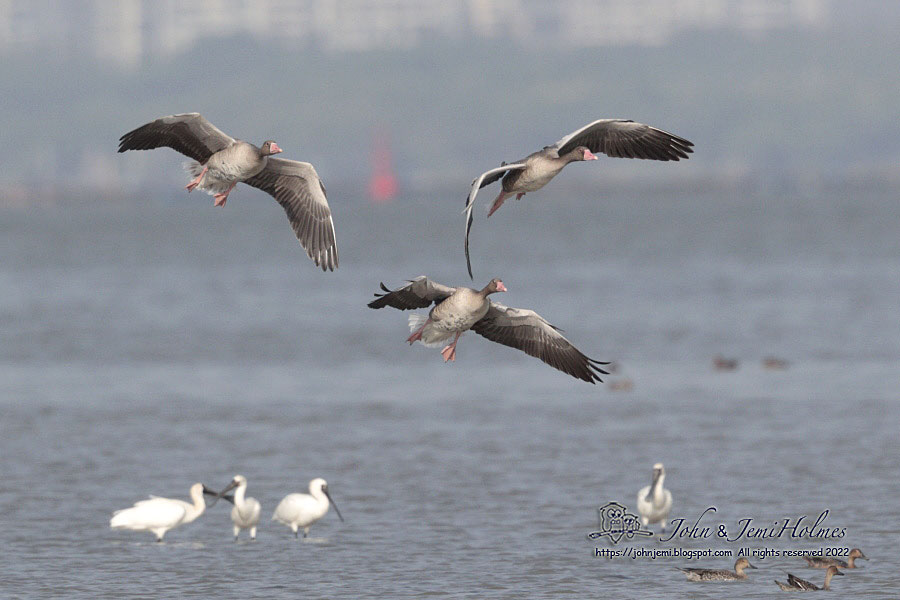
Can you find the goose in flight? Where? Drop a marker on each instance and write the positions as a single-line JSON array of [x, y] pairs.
[[618, 138], [458, 309], [220, 162]]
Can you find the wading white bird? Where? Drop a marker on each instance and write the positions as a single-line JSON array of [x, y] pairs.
[[159, 515], [302, 510], [245, 512], [654, 501]]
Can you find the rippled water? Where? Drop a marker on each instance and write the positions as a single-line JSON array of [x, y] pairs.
[[159, 342]]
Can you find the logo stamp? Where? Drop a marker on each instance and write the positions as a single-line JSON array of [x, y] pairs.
[[616, 522]]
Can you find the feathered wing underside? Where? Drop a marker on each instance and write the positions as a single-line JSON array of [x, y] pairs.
[[420, 292], [531, 333], [188, 133], [297, 188], [486, 178], [621, 138]]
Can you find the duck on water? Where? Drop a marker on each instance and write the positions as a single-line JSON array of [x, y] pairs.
[[796, 584], [820, 562], [720, 574]]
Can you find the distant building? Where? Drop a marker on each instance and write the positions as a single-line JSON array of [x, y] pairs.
[[125, 32]]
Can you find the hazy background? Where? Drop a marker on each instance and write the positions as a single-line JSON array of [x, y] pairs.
[[775, 92], [149, 340]]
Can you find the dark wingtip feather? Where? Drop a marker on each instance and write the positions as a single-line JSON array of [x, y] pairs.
[[469, 221]]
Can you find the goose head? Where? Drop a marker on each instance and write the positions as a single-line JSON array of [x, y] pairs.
[[269, 148], [494, 285]]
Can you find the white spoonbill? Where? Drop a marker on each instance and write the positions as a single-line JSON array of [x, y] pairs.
[[245, 512], [159, 515], [302, 510], [654, 501]]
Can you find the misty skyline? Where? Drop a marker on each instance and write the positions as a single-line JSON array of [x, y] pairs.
[[462, 86], [127, 32]]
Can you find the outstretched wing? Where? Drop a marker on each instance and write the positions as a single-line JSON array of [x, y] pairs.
[[418, 293], [530, 332], [188, 133], [621, 138], [297, 188], [486, 178]]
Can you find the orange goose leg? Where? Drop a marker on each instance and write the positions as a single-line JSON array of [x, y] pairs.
[[449, 352], [221, 198], [196, 181], [498, 202], [417, 334]]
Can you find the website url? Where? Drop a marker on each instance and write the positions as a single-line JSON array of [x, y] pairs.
[[654, 553]]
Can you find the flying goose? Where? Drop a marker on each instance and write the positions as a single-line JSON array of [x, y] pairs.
[[720, 574], [458, 309], [220, 162], [619, 138], [796, 584]]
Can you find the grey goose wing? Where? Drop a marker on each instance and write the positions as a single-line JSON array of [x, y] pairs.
[[297, 188], [188, 133], [530, 332], [623, 138], [420, 292], [486, 178]]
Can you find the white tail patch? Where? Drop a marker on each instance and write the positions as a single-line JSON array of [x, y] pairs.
[[431, 336], [210, 183], [192, 167]]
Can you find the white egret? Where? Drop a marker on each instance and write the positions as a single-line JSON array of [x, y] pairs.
[[302, 510]]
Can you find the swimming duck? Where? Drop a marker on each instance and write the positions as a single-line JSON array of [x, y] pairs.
[[720, 574], [818, 562], [796, 584]]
